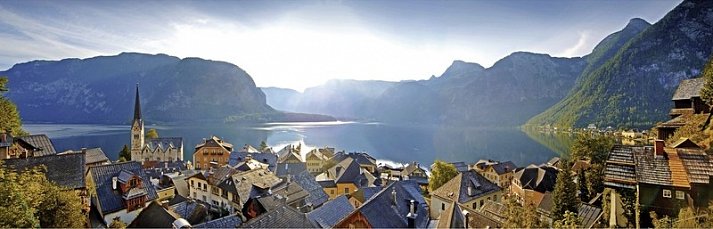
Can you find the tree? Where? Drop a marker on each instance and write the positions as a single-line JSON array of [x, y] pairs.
[[664, 222], [594, 176], [707, 90], [116, 223], [263, 146], [565, 194], [9, 117], [570, 221], [28, 199], [152, 133], [583, 187], [125, 154], [518, 216], [441, 173], [594, 147]]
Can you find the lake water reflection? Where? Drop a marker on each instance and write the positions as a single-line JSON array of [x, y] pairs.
[[383, 141]]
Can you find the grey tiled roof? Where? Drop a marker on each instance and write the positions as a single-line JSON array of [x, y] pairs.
[[698, 164], [589, 214], [688, 89], [267, 158], [539, 178], [460, 166], [457, 188], [332, 212], [164, 143], [281, 217], [383, 211], [284, 169], [231, 221], [504, 167], [317, 196], [154, 216], [91, 156], [64, 170], [346, 171], [360, 158], [192, 211], [364, 194], [109, 200], [42, 142]]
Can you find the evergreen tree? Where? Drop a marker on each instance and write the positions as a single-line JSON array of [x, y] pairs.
[[570, 221], [518, 216], [152, 133], [707, 90], [594, 176], [565, 194], [441, 173], [263, 146], [125, 154], [583, 187], [9, 117]]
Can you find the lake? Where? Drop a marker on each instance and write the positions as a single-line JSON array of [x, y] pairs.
[[388, 143]]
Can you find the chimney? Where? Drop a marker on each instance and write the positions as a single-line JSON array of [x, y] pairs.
[[84, 150], [659, 148], [470, 190], [165, 165], [3, 137], [411, 216], [114, 181], [466, 215]]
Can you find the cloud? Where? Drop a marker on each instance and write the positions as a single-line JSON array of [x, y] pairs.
[[582, 47]]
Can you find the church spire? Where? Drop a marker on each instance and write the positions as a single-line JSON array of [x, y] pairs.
[[137, 105]]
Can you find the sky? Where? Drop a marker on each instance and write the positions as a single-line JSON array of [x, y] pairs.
[[299, 44]]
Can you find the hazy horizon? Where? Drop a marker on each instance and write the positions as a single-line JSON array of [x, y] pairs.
[[299, 44]]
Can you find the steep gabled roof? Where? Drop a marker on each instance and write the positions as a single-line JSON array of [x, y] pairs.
[[41, 142], [231, 221], [317, 196], [64, 170], [698, 164], [538, 178], [389, 207], [154, 216], [164, 143], [457, 188], [259, 178], [688, 89], [110, 200], [281, 217], [331, 212], [284, 169]]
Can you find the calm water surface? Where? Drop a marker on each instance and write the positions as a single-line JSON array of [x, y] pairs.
[[389, 143]]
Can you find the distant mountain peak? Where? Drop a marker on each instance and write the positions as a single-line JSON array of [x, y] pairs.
[[637, 24], [459, 67]]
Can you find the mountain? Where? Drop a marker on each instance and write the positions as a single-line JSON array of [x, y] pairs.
[[100, 90], [342, 98], [283, 99], [635, 85]]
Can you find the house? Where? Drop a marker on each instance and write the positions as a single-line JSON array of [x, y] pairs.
[[460, 166], [317, 196], [251, 184], [67, 171], [290, 157], [500, 173], [398, 205], [120, 190], [362, 195], [284, 169], [25, 146], [687, 102], [249, 164], [530, 184], [316, 159], [469, 189], [414, 171], [248, 152], [331, 213], [155, 216], [458, 215], [631, 134], [214, 189], [364, 160], [231, 221], [190, 210], [179, 181], [345, 177], [92, 156], [664, 179], [281, 217], [212, 152]]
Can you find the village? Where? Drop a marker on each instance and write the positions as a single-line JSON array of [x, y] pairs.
[[229, 186]]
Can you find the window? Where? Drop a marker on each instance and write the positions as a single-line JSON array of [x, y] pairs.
[[346, 190], [332, 191], [667, 193], [482, 202], [475, 205], [680, 195], [443, 206]]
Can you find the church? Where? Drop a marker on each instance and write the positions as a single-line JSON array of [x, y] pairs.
[[154, 149]]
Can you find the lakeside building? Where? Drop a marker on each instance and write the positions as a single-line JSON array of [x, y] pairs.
[[317, 159], [345, 177], [92, 156], [120, 191], [531, 184], [248, 152], [468, 189], [398, 205], [687, 103], [212, 153], [25, 146], [154, 149], [500, 173], [662, 178]]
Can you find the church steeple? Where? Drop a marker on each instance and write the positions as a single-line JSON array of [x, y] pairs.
[[137, 105]]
